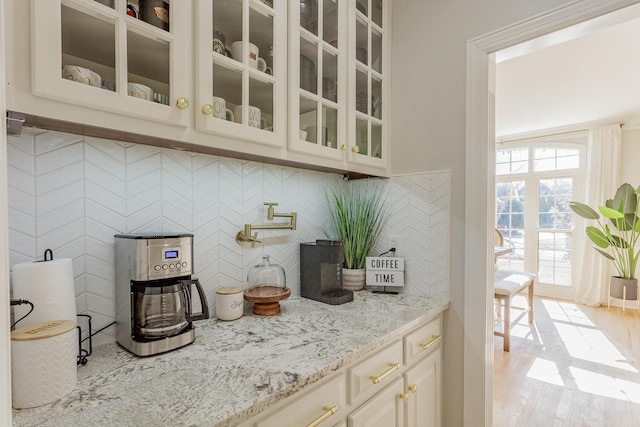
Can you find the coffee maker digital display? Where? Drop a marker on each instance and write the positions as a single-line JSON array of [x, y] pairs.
[[154, 293], [171, 254]]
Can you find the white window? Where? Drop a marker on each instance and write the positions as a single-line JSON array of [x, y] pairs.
[[535, 181]]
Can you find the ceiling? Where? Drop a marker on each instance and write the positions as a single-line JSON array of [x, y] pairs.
[[589, 73]]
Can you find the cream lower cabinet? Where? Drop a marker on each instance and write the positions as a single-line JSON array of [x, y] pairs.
[[422, 382], [398, 385], [386, 409], [318, 407]]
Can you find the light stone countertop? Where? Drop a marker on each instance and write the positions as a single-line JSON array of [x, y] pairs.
[[234, 370]]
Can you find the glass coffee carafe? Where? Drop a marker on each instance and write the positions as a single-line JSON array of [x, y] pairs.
[[164, 308]]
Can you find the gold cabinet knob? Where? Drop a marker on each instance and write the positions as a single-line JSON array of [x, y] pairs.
[[343, 147], [413, 388], [404, 396], [182, 103], [355, 149], [207, 109]]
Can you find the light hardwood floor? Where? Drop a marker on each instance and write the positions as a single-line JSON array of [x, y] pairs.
[[575, 366]]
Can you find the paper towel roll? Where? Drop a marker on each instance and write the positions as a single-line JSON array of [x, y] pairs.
[[49, 286], [43, 363]]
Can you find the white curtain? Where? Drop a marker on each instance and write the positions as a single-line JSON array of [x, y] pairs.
[[603, 173]]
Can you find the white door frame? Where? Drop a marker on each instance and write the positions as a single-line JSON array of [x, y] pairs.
[[5, 342], [479, 191]]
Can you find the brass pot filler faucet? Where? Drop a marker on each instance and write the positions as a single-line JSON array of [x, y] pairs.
[[245, 235]]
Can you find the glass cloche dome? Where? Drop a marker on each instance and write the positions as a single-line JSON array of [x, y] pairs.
[[267, 286]]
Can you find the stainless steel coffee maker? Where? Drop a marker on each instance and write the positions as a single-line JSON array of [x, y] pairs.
[[154, 301]]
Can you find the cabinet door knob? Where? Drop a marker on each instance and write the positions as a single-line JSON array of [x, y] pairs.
[[182, 103], [404, 396], [343, 147], [413, 388], [355, 149], [207, 109]]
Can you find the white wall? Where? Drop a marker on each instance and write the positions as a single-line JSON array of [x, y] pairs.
[[429, 49]]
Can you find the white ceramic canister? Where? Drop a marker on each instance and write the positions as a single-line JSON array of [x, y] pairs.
[[43, 362], [229, 303]]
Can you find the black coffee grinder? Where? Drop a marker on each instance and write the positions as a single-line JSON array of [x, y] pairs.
[[321, 272]]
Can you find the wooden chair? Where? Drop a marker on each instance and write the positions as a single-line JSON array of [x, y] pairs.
[[498, 238], [506, 285]]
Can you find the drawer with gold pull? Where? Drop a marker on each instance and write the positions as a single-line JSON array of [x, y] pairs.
[[372, 374], [422, 341], [323, 406]]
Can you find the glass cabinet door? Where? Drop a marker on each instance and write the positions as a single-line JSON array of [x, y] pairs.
[[240, 69], [124, 56], [368, 86], [317, 77]]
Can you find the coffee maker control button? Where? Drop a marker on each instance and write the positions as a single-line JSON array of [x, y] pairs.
[[184, 264], [171, 266], [164, 266], [157, 268]]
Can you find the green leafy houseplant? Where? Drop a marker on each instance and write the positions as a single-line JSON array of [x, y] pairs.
[[358, 213], [618, 241]]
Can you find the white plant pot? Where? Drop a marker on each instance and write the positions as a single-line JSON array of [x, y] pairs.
[[353, 279]]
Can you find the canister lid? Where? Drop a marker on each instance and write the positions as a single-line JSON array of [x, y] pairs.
[[43, 330], [229, 290]]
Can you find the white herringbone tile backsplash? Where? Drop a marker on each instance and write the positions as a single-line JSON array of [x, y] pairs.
[[72, 194]]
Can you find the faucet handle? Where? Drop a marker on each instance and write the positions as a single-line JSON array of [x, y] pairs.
[[271, 211], [254, 239]]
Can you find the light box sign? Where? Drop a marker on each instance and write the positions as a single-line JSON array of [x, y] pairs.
[[385, 271]]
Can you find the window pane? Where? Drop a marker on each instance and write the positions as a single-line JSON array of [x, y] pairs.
[[554, 198], [512, 161], [549, 159], [554, 258], [510, 221]]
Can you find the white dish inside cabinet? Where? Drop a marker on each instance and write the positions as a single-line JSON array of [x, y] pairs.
[[142, 68], [317, 77], [241, 69]]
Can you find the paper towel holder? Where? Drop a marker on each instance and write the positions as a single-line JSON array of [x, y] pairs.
[[48, 252]]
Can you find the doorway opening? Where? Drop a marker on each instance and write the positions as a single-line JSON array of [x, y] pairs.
[[479, 185]]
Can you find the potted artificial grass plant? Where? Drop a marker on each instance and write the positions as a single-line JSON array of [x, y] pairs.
[[358, 214], [618, 241]]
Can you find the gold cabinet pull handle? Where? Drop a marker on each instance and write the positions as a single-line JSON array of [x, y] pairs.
[[207, 109], [343, 147], [392, 367], [355, 149], [429, 343], [328, 411], [182, 103], [413, 388], [404, 396]]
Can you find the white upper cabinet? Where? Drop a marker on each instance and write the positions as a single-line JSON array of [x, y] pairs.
[[104, 55], [303, 81], [318, 76], [241, 69], [368, 82], [337, 85]]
